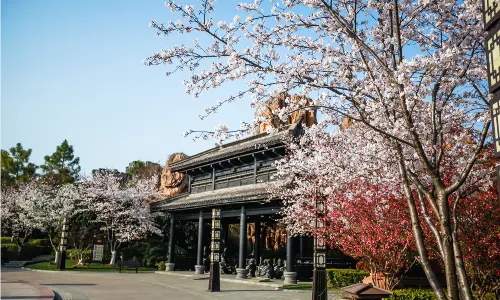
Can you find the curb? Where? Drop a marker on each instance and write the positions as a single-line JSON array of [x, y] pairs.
[[46, 271], [274, 285]]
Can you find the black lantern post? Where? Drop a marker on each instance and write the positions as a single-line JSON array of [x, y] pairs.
[[319, 291], [61, 263], [214, 280]]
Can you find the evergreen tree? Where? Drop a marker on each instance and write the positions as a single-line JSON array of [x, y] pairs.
[[62, 166], [135, 167], [16, 167]]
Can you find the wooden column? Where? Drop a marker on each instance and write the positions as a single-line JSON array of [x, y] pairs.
[[199, 268], [241, 271], [171, 247], [256, 250]]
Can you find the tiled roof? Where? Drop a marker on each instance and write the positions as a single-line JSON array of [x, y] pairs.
[[249, 144], [239, 194]]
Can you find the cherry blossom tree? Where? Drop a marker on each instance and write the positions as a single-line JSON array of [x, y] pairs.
[[14, 217], [121, 209], [409, 75], [46, 206]]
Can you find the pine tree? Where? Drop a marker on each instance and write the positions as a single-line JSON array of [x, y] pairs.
[[62, 166], [16, 167]]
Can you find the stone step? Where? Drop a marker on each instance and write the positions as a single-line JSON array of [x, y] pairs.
[[15, 264]]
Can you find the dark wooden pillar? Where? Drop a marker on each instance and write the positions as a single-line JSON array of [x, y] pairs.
[[289, 252], [290, 275], [241, 271], [256, 250], [301, 247], [199, 268], [171, 247], [225, 233]]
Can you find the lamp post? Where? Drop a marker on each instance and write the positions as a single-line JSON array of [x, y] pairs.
[[61, 262], [319, 291], [214, 280]]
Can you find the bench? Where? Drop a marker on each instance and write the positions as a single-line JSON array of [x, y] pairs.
[[128, 264]]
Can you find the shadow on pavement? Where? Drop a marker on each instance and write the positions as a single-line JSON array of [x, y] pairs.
[[27, 297], [83, 284]]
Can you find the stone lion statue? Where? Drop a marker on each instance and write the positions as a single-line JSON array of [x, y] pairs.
[[173, 183], [279, 102]]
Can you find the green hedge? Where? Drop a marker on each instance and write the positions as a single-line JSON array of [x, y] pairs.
[[28, 252], [7, 240], [343, 277], [413, 294]]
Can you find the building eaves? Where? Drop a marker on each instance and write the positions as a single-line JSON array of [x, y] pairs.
[[249, 144], [247, 193]]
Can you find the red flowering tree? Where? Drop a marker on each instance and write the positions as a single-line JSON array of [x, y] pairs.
[[375, 230], [479, 231]]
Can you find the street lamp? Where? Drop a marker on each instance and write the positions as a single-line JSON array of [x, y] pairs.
[[214, 280], [319, 291]]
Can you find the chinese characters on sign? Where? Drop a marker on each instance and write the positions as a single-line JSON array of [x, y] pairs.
[[98, 252]]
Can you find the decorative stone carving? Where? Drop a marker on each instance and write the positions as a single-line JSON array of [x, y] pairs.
[[279, 268], [251, 267], [173, 183], [279, 102]]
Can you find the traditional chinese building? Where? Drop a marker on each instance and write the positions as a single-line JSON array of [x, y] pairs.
[[232, 178]]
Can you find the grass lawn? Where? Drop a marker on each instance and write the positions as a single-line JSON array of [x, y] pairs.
[[94, 267]]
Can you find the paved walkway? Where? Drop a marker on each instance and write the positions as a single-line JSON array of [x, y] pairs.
[[20, 289], [145, 286]]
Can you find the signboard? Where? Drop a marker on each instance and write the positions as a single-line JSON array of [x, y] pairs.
[[98, 252]]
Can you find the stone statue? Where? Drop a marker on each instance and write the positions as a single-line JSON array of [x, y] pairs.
[[279, 268], [266, 269], [173, 183], [251, 267], [262, 269], [273, 104]]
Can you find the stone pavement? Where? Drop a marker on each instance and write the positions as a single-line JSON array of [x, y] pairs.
[[145, 286], [20, 289]]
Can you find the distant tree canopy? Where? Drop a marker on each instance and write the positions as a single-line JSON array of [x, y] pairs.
[[16, 167], [62, 166], [135, 167]]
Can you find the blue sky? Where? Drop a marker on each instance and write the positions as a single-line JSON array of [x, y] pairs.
[[73, 70]]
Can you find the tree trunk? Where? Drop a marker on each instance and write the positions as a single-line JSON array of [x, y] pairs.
[[58, 253], [113, 257], [417, 231], [449, 255]]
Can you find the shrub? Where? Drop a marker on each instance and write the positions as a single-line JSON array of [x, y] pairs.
[[40, 242], [74, 254], [161, 265], [28, 252], [6, 240], [342, 277], [413, 294]]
